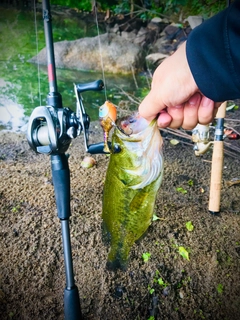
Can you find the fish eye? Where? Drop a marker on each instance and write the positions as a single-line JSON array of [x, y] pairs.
[[103, 111], [132, 120]]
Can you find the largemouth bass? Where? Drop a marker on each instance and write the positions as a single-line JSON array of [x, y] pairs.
[[133, 178]]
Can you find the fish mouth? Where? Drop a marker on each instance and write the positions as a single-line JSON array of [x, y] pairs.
[[132, 124]]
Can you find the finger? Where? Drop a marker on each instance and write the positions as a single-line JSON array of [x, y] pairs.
[[164, 119], [177, 116], [205, 111], [191, 112], [150, 106], [217, 104]]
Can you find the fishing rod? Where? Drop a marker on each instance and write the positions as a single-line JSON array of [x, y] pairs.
[[51, 129], [200, 137], [217, 162], [217, 158]]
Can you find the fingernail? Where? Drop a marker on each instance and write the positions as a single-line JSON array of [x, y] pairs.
[[194, 99], [206, 102], [178, 107]]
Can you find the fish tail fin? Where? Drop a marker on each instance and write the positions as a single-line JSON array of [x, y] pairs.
[[118, 258], [116, 264]]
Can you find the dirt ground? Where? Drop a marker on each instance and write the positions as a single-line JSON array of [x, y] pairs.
[[167, 286]]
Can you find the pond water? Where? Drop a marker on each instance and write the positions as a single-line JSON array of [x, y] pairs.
[[24, 86]]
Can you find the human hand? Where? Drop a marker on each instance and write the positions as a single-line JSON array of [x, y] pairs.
[[174, 96]]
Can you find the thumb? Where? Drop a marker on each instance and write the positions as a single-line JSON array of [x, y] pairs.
[[149, 108]]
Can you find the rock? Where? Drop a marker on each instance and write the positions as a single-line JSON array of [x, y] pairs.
[[88, 162], [156, 57], [153, 26], [163, 46], [118, 54], [171, 38], [130, 36], [171, 31], [141, 36], [194, 21], [156, 20]]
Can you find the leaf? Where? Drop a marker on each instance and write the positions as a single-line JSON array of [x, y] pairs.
[[151, 291], [180, 189], [232, 107], [174, 142], [189, 226], [154, 218], [220, 288], [190, 183], [183, 252], [161, 282], [146, 256]]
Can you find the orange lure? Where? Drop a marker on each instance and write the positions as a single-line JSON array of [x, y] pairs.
[[107, 117]]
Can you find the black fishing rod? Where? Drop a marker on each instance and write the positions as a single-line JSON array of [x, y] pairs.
[[51, 129]]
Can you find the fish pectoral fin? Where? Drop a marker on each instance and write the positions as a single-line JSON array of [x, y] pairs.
[[138, 201]]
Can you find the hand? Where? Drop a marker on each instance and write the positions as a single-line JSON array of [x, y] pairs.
[[174, 96]]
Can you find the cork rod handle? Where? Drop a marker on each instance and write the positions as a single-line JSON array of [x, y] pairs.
[[217, 163]]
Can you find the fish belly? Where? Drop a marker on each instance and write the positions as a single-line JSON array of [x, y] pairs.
[[127, 214]]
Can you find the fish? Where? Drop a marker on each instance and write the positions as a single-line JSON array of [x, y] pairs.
[[133, 178]]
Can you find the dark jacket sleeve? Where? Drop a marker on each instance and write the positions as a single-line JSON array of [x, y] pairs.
[[213, 53]]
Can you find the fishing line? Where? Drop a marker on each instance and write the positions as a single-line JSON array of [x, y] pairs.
[[38, 64], [100, 50]]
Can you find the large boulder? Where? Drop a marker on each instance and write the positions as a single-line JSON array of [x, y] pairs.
[[119, 55]]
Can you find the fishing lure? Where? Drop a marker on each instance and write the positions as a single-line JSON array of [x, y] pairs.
[[107, 117]]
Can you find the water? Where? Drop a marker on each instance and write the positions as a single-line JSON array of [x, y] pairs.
[[24, 86]]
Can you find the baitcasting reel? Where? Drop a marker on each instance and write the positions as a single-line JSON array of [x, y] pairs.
[[51, 129]]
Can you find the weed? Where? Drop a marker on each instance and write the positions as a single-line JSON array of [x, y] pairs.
[[151, 290], [220, 288], [184, 253], [146, 256], [189, 226], [180, 189], [15, 209], [190, 183]]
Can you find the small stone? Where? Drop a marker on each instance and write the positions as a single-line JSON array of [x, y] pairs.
[[181, 294], [119, 290], [88, 162]]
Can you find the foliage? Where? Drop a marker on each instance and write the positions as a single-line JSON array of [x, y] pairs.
[[158, 282], [146, 256], [193, 7], [189, 226], [220, 288], [161, 282], [181, 190], [149, 8], [81, 5], [85, 5], [190, 183], [183, 252], [155, 217]]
